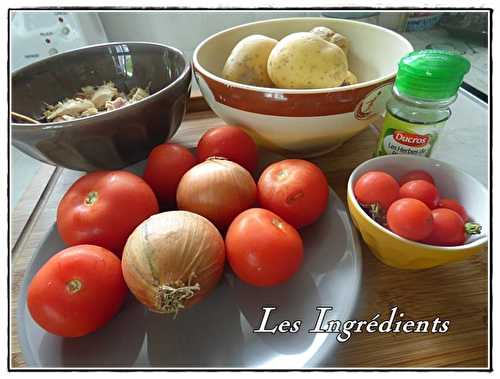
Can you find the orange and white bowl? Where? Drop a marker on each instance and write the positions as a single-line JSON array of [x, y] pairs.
[[305, 122]]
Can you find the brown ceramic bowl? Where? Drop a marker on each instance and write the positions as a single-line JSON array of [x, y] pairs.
[[304, 122], [109, 140]]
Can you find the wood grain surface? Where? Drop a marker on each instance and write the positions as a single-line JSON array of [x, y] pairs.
[[457, 292]]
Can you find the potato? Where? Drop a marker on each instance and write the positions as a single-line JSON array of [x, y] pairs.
[[350, 79], [329, 35], [323, 32], [341, 41], [305, 60], [247, 62]]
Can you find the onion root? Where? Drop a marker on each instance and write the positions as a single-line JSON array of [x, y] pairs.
[[171, 298]]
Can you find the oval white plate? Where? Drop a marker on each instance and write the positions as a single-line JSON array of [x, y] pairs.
[[218, 332]]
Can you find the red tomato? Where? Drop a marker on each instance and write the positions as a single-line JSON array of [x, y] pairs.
[[262, 249], [376, 187], [421, 190], [77, 291], [410, 218], [416, 175], [294, 189], [229, 142], [103, 208], [448, 228], [166, 165], [454, 205]]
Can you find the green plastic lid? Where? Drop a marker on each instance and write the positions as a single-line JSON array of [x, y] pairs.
[[431, 74]]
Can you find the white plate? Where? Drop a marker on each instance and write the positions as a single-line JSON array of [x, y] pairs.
[[218, 332]]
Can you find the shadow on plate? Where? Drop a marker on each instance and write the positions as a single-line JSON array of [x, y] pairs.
[[325, 241], [115, 345], [206, 335], [294, 300]]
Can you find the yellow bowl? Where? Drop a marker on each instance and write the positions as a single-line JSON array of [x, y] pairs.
[[451, 182]]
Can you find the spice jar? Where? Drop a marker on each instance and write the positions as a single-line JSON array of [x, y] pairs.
[[426, 85]]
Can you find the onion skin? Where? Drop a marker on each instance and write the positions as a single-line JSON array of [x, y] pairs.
[[217, 189], [175, 249]]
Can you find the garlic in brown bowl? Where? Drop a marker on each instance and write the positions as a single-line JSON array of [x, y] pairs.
[[92, 100]]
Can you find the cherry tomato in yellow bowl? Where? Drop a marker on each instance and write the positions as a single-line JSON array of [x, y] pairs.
[[403, 253]]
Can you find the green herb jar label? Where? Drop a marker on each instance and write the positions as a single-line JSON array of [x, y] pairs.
[[400, 137]]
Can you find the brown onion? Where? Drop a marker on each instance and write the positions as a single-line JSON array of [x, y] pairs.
[[217, 189], [173, 260]]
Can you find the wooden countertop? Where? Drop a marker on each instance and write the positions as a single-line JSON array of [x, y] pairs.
[[456, 292]]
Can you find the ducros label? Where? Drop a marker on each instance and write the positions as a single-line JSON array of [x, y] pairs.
[[399, 142], [413, 140], [399, 137]]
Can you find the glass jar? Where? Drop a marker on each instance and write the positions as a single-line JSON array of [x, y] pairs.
[[426, 85]]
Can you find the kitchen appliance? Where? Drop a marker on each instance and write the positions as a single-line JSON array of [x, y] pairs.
[[37, 34]]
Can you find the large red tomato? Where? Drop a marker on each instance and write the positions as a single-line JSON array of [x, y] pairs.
[[102, 208], [295, 190], [262, 249], [166, 165], [229, 142], [77, 291]]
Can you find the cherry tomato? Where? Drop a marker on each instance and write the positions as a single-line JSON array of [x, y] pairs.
[[262, 249], [421, 190], [416, 175], [448, 228], [294, 189], [229, 142], [102, 208], [376, 187], [454, 205], [77, 291], [166, 165], [410, 218]]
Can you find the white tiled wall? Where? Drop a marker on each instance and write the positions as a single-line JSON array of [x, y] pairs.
[[184, 30]]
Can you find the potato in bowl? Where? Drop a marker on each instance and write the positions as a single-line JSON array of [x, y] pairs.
[[303, 122], [305, 60], [247, 62]]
